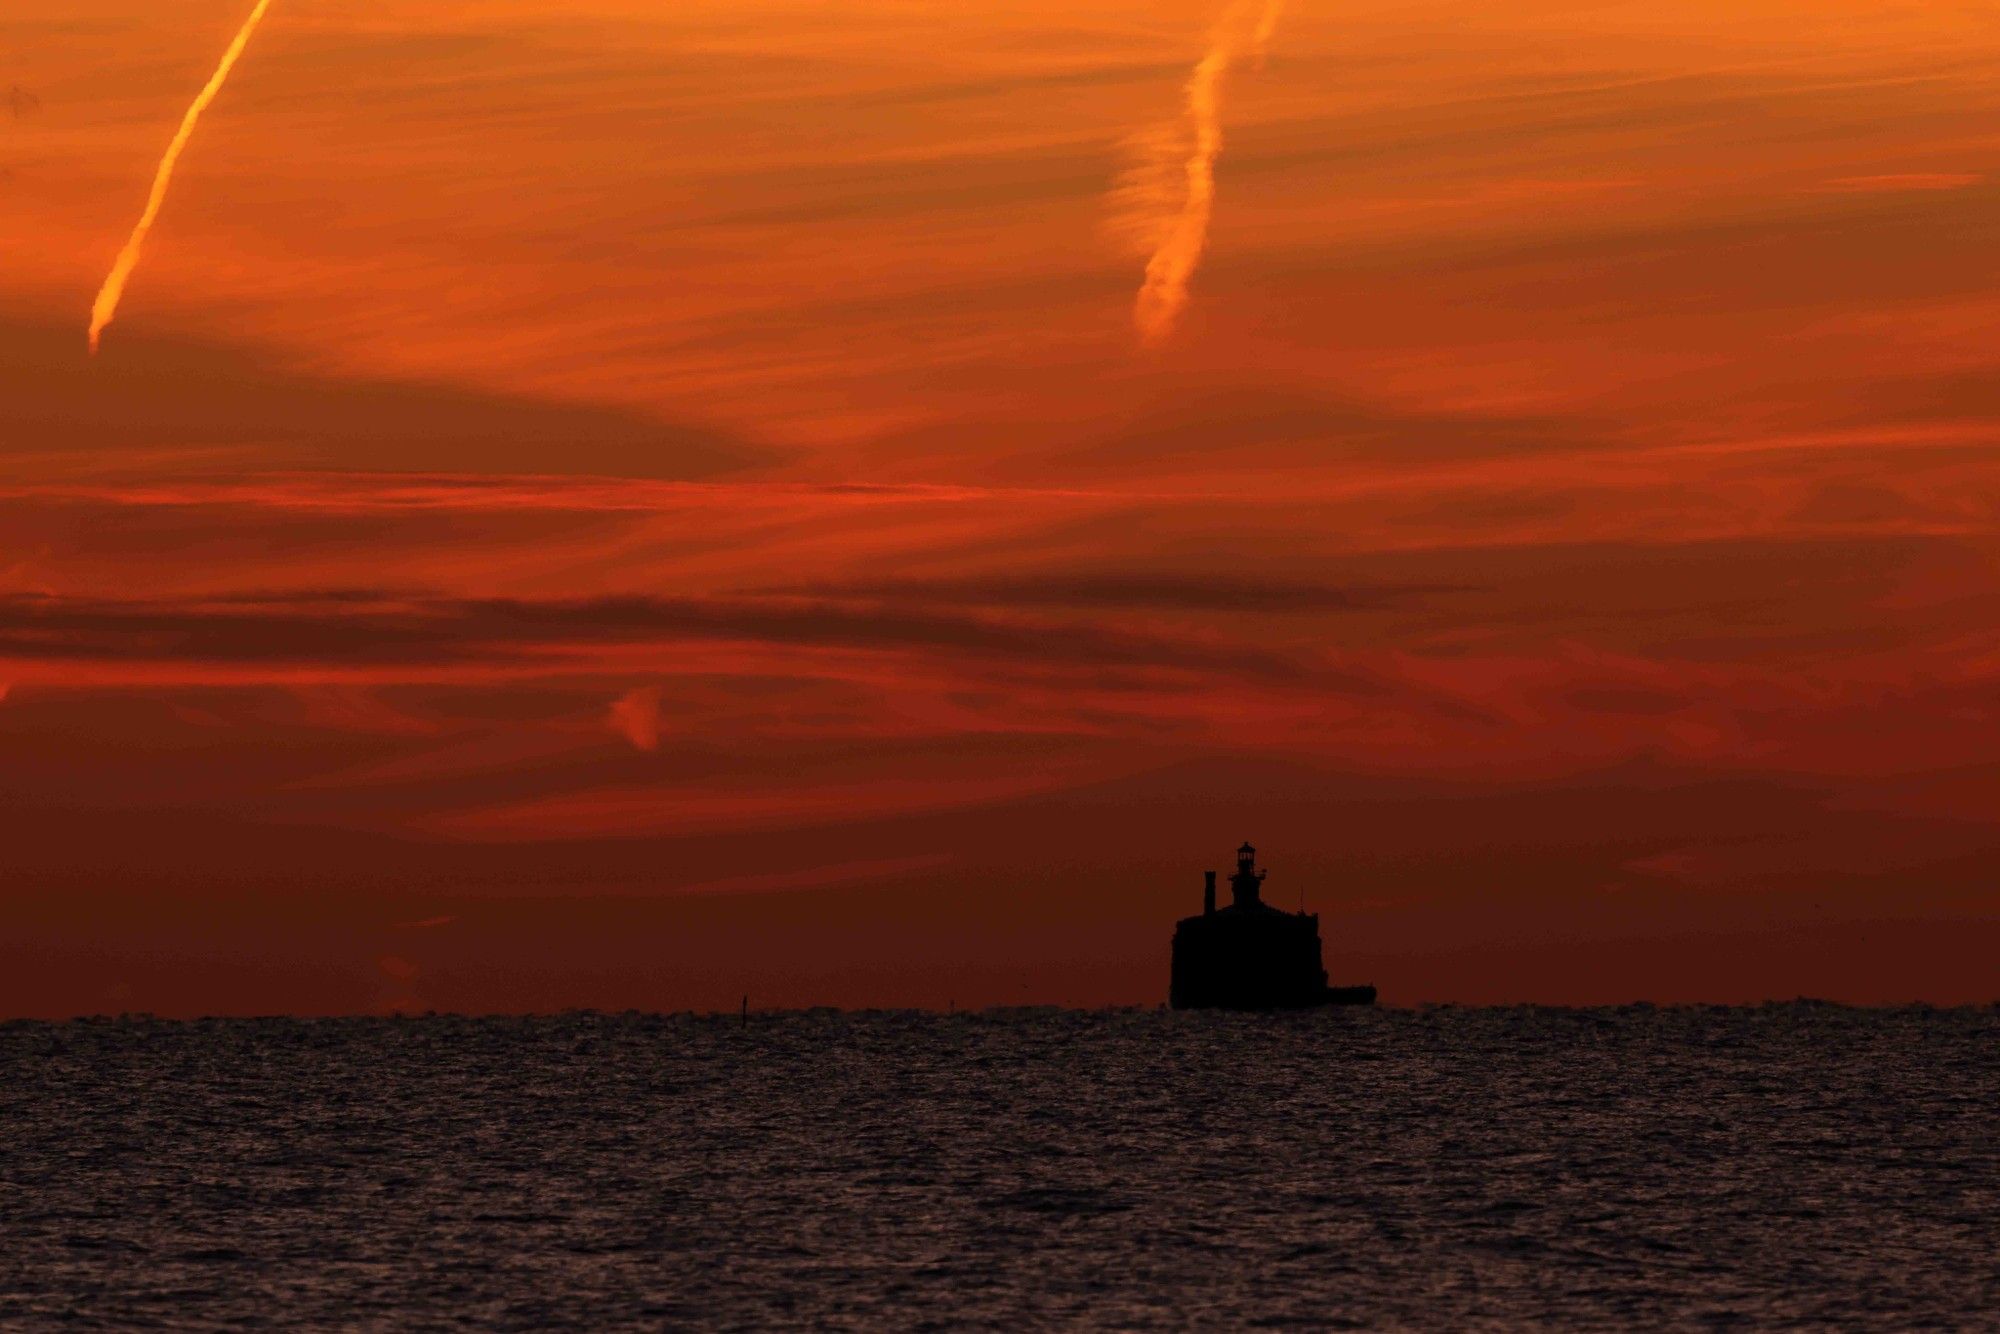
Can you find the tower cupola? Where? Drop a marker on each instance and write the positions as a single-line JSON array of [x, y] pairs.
[[1245, 885]]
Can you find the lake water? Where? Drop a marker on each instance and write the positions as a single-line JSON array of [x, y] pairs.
[[1448, 1168]]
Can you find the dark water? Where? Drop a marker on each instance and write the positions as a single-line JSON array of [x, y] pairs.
[[1442, 1168]]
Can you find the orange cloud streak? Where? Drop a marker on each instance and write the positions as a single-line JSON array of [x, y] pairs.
[[635, 715], [106, 305], [1165, 292]]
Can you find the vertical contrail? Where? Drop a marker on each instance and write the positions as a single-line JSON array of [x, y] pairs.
[[1165, 292], [106, 305], [1267, 26]]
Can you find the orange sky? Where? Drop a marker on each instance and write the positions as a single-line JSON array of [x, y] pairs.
[[611, 504]]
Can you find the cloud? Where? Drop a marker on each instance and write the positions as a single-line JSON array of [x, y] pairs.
[[346, 708], [1624, 700], [819, 877], [706, 808], [635, 715], [1902, 181], [161, 395], [1239, 424], [1159, 591], [359, 492], [557, 635]]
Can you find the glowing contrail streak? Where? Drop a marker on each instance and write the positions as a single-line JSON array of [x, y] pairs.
[[1267, 26], [106, 305], [1165, 292]]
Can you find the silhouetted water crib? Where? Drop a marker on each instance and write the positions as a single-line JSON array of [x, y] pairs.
[[1251, 956]]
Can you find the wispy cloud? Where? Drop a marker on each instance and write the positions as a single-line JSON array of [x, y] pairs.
[[635, 715], [426, 923], [820, 877], [358, 492], [1153, 590], [581, 636], [1897, 182]]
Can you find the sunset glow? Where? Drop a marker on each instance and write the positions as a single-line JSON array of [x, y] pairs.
[[667, 499]]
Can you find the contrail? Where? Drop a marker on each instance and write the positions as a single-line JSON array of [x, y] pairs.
[[1165, 292], [1267, 26], [106, 305]]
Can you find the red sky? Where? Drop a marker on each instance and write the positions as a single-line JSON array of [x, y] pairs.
[[621, 505]]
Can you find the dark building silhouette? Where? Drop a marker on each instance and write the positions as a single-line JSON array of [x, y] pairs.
[[1251, 956]]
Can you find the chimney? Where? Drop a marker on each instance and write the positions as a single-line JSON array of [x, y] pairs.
[[1208, 895]]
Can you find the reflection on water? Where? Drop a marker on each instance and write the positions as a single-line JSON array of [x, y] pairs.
[[1384, 1167]]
